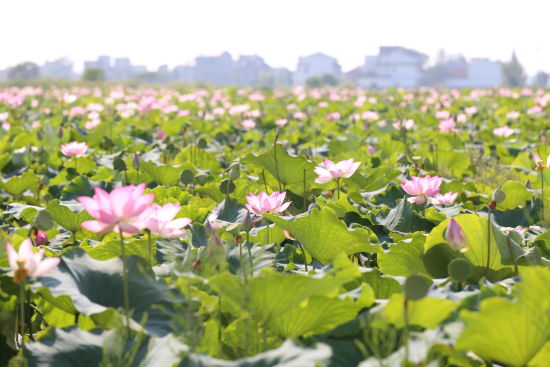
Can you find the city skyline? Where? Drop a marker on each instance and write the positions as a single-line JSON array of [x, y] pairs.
[[174, 33]]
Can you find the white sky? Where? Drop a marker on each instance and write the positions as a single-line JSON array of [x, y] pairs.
[[155, 32]]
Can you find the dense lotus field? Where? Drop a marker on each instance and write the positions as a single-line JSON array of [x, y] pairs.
[[234, 227]]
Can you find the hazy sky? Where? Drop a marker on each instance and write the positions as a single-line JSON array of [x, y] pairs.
[[173, 32]]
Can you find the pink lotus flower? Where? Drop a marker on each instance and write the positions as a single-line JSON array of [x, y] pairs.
[[322, 104], [333, 116], [253, 113], [248, 124], [442, 114], [470, 110], [238, 109], [281, 122], [69, 98], [4, 116], [405, 124], [146, 104], [444, 199], [523, 230], [504, 131], [74, 149], [161, 221], [256, 96], [329, 170], [512, 115], [535, 110], [299, 115], [159, 134], [124, 209], [92, 124], [212, 219], [447, 126], [370, 115], [354, 117], [360, 101], [421, 188], [25, 263], [263, 203], [454, 235], [462, 118], [540, 163], [40, 238], [77, 111]]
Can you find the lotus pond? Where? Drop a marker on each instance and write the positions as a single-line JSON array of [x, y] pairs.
[[304, 227]]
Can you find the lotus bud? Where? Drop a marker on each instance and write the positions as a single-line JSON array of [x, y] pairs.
[[40, 238], [454, 235], [499, 196], [247, 223], [135, 161], [215, 250]]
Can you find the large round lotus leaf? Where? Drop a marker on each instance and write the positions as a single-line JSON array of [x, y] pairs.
[[325, 236], [477, 240], [460, 269], [67, 348], [511, 332], [94, 286], [417, 286]]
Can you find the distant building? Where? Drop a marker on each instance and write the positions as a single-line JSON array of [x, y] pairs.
[[214, 69], [478, 73], [392, 67], [120, 69], [316, 65], [249, 69], [282, 77], [456, 67], [184, 73], [58, 69], [103, 63], [3, 75], [139, 69]]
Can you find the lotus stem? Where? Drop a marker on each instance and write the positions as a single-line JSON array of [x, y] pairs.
[[542, 192], [242, 262], [22, 313], [488, 242], [338, 187], [277, 166], [304, 256], [125, 282], [265, 182], [305, 190], [150, 247], [406, 327], [248, 246]]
